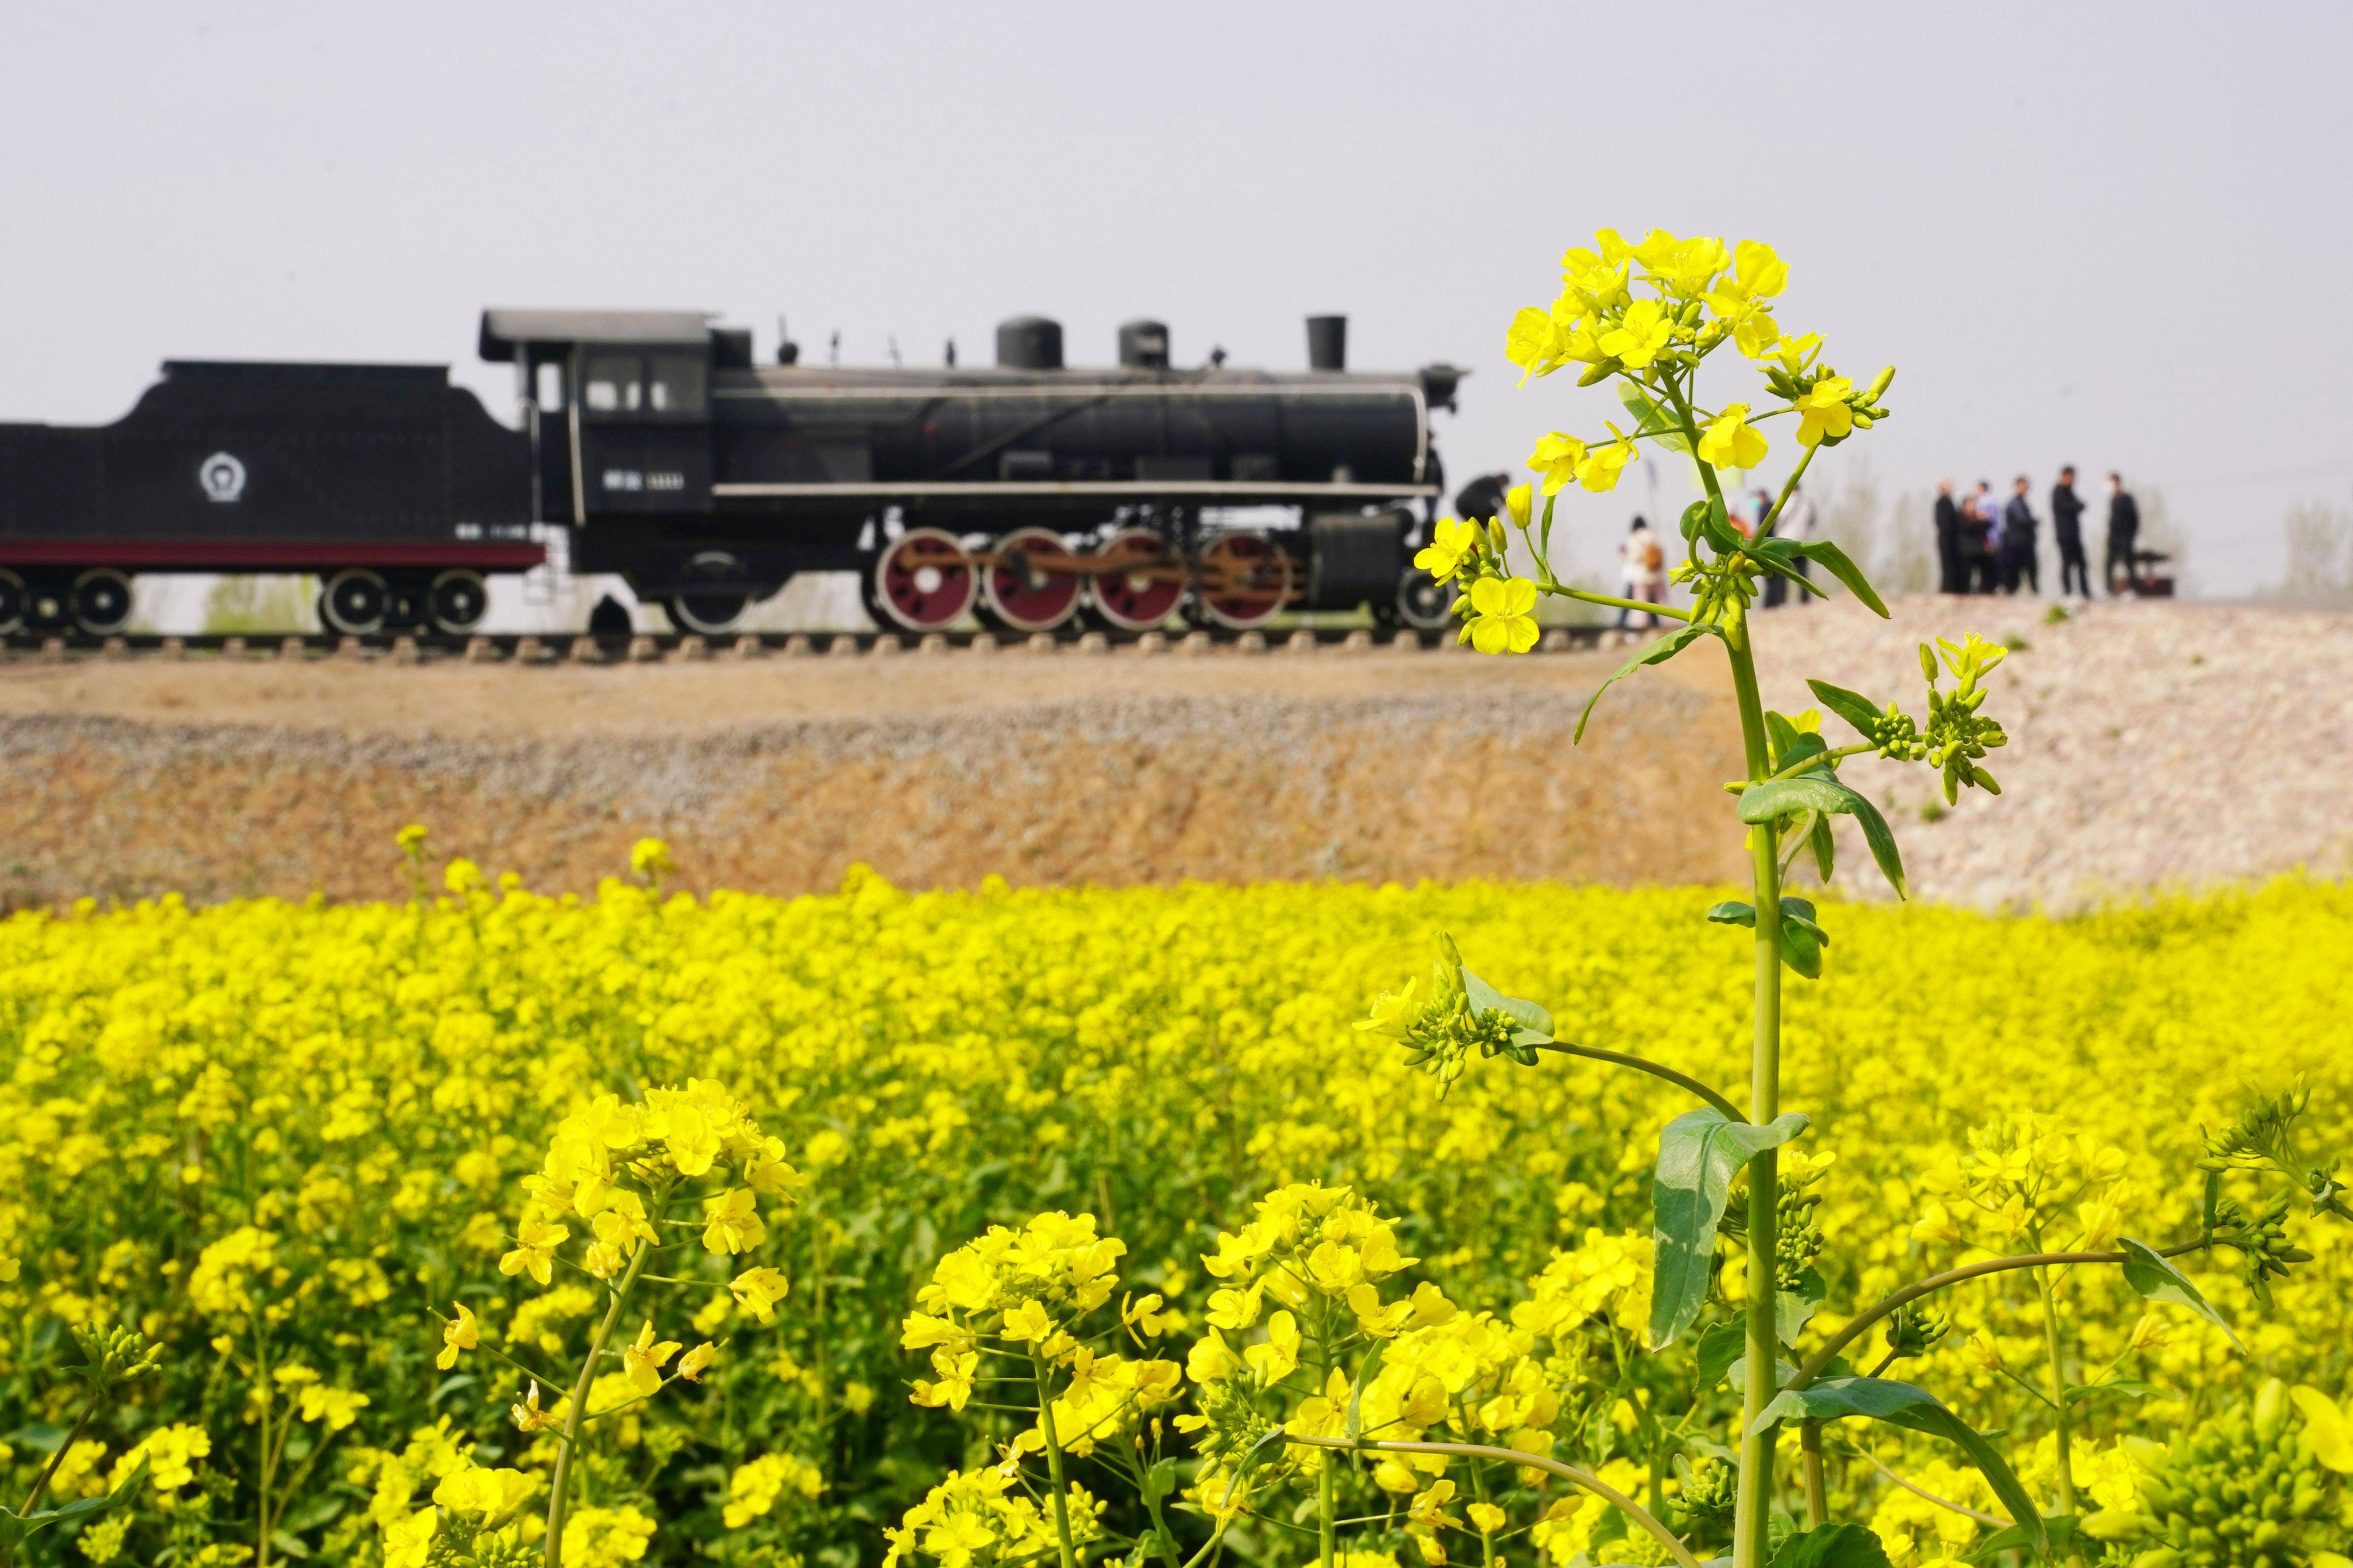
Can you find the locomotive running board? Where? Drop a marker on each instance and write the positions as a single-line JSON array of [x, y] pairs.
[[1237, 489]]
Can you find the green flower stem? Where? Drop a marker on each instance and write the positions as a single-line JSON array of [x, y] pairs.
[[1570, 1473], [559, 1483], [1819, 759], [41, 1482], [1856, 1325], [2053, 1348], [1809, 1444], [1765, 529], [1752, 1508], [1054, 1460], [1644, 1064], [1566, 592], [1486, 1541]]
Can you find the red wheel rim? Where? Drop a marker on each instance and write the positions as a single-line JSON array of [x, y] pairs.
[[1034, 585], [1136, 585], [924, 580], [1245, 580]]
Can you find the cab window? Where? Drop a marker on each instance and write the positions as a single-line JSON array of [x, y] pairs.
[[612, 384], [675, 385]]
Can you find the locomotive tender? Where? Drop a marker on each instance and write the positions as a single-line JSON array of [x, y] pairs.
[[1029, 494], [390, 484]]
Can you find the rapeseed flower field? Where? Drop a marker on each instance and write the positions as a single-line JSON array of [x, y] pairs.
[[305, 1149]]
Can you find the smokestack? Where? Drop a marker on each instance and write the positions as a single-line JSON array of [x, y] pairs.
[[1327, 342]]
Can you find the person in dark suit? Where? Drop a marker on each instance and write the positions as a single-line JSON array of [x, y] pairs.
[[1952, 573], [2124, 535], [2021, 561], [2067, 528]]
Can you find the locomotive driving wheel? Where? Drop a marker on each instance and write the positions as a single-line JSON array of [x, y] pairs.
[[1136, 583], [922, 581], [1035, 583], [717, 589], [1245, 581], [1424, 602]]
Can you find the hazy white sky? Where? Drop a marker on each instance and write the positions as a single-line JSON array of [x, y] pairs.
[[2114, 234]]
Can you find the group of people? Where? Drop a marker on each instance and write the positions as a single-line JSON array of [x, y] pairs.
[[1985, 545]]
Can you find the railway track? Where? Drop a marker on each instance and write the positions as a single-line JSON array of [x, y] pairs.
[[562, 647]]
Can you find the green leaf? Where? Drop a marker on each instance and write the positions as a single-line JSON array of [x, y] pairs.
[[1832, 1546], [2059, 1528], [1844, 569], [2118, 1388], [1650, 420], [1851, 706], [1801, 940], [1802, 950], [1659, 652], [1793, 1310], [291, 1545], [1699, 1151], [1825, 846], [1718, 1349], [2149, 1272], [1371, 1364], [1902, 1405], [1775, 555], [1535, 1022], [1817, 790]]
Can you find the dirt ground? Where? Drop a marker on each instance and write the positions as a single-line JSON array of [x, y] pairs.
[[221, 780], [2153, 746]]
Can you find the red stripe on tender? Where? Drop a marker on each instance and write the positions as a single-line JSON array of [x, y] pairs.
[[269, 554]]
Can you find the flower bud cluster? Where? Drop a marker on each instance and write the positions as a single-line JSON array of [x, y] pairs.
[[1957, 738], [1441, 1032], [1796, 1239], [1914, 1328], [2260, 1237], [2242, 1490]]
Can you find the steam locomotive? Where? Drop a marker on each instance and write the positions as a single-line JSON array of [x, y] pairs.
[[1029, 495]]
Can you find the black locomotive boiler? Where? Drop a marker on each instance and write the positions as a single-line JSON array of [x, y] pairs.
[[1028, 494], [395, 488]]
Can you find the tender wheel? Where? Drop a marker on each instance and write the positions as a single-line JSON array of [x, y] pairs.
[[1138, 584], [457, 601], [14, 597], [717, 589], [1035, 584], [100, 601], [922, 581], [1245, 581], [1424, 602], [355, 602]]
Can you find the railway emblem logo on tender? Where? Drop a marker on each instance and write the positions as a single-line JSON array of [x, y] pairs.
[[222, 477]]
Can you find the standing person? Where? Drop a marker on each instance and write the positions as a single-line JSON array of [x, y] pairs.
[[1797, 523], [1982, 536], [1952, 577], [2124, 535], [2020, 559], [1646, 575], [2067, 528]]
